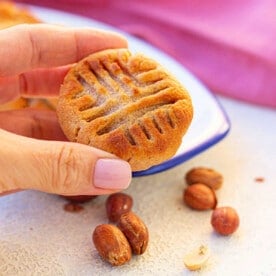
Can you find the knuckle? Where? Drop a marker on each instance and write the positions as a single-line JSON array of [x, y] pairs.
[[36, 53], [23, 83], [65, 170]]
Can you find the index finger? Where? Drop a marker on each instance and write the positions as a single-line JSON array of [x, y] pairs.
[[25, 47]]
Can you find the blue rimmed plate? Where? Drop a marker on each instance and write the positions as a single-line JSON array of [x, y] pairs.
[[210, 123]]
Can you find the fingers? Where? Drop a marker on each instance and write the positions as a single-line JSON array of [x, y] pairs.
[[35, 83], [39, 48], [59, 167], [35, 123], [43, 45]]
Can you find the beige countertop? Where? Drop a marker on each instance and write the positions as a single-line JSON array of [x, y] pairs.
[[37, 235]]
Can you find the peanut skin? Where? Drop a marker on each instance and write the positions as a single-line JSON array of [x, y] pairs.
[[206, 176], [79, 198], [117, 204], [135, 231], [200, 197], [111, 244], [225, 220]]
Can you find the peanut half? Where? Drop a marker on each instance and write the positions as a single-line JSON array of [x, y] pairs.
[[197, 258]]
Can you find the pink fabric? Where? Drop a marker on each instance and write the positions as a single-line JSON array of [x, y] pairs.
[[229, 45]]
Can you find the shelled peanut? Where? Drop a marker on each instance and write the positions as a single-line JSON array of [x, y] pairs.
[[118, 204], [135, 231], [116, 243], [74, 203], [206, 176], [225, 220], [111, 244], [200, 197]]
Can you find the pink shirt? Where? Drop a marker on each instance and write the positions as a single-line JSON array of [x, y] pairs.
[[229, 45]]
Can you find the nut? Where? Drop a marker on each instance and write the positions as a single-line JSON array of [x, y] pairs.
[[200, 197], [117, 204], [206, 176], [79, 198], [111, 244], [72, 208], [196, 259], [135, 231], [225, 220]]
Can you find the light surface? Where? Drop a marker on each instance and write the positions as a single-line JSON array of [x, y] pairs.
[[37, 234]]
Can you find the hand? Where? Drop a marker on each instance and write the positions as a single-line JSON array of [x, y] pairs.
[[34, 61]]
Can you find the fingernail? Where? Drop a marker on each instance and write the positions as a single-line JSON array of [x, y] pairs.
[[112, 174]]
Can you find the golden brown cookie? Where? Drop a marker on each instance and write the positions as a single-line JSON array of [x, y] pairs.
[[126, 104]]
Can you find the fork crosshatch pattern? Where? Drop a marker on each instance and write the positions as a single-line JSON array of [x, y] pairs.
[[126, 104]]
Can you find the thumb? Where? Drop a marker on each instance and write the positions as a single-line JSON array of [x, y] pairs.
[[59, 167]]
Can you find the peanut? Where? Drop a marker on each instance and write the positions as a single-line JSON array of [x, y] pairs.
[[206, 176], [225, 220], [118, 204], [79, 198], [111, 244], [135, 231], [200, 197]]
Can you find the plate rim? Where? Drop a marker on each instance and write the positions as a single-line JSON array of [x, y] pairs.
[[192, 152]]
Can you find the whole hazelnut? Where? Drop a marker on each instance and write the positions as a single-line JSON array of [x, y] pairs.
[[206, 176], [200, 197], [225, 220], [117, 204], [111, 244]]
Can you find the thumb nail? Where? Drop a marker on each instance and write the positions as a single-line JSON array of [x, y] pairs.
[[112, 174]]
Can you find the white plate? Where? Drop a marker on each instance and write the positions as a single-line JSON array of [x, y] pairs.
[[210, 123]]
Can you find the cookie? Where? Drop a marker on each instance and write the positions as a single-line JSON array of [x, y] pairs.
[[126, 104]]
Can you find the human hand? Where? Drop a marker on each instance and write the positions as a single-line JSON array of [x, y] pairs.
[[34, 61]]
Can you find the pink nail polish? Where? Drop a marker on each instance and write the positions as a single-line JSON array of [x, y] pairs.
[[112, 174]]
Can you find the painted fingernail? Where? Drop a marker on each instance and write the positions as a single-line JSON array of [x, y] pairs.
[[112, 174]]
